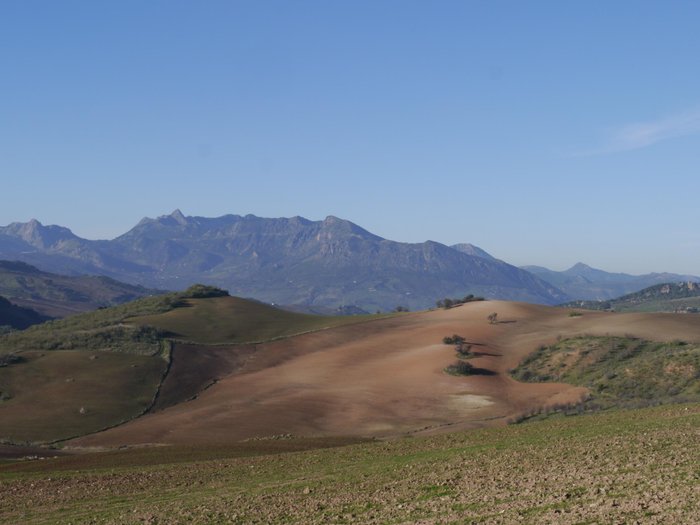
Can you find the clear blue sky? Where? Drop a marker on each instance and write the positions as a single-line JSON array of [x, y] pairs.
[[545, 132]]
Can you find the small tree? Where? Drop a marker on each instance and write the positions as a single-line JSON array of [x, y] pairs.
[[493, 318]]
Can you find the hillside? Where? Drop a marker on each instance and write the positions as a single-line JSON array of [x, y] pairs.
[[17, 317], [683, 297], [619, 371], [581, 282], [382, 378], [60, 295], [329, 263], [74, 376]]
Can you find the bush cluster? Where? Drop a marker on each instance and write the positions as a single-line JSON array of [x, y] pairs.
[[447, 302]]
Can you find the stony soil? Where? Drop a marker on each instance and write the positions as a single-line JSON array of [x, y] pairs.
[[615, 467]]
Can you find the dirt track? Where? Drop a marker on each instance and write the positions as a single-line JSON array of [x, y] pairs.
[[385, 378]]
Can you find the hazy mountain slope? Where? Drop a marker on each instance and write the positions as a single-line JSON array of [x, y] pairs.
[[585, 283], [288, 261], [470, 249], [17, 317], [60, 295], [668, 297]]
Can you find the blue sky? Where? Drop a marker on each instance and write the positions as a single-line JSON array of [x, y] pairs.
[[545, 132]]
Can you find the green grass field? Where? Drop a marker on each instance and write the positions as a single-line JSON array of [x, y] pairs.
[[613, 467], [66, 393]]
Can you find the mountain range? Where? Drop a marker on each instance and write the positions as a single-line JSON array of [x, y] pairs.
[[330, 263], [327, 264], [582, 282]]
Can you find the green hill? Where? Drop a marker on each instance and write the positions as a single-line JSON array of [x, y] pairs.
[[668, 297], [74, 376], [235, 320]]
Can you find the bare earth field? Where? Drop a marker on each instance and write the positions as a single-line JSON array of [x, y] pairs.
[[381, 378]]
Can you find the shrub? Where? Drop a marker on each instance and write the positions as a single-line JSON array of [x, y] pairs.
[[460, 368], [448, 302], [453, 340], [203, 291], [464, 351]]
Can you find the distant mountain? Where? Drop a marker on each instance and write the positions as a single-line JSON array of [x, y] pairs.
[[668, 297], [16, 317], [585, 283], [59, 295], [330, 263]]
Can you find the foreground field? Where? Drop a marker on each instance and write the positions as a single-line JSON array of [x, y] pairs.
[[616, 467]]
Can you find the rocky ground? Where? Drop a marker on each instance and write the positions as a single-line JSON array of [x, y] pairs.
[[615, 467]]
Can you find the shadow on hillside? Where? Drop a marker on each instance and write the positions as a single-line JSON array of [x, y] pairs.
[[481, 372], [482, 354]]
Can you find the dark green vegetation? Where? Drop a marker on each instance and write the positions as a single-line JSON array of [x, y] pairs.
[[286, 261], [619, 371], [460, 368], [13, 317], [613, 467], [61, 295], [462, 348], [582, 282], [669, 297], [449, 303], [73, 376]]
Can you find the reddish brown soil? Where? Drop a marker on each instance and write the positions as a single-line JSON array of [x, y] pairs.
[[382, 378]]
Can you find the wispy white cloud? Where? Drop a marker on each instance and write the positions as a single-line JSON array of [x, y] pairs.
[[644, 134]]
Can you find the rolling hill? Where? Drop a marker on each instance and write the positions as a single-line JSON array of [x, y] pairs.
[[681, 297], [60, 295], [17, 317], [217, 423], [329, 263], [75, 376]]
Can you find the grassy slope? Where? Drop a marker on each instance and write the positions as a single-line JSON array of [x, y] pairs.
[[236, 320], [619, 370], [97, 330], [608, 467], [49, 389]]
